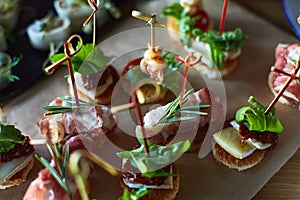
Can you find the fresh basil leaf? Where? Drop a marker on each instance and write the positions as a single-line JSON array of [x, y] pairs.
[[255, 118], [9, 137], [173, 10]]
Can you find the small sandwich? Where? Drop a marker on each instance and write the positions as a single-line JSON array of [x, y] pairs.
[[94, 79], [191, 121], [16, 156], [155, 173], [286, 57], [245, 141], [184, 14], [154, 74]]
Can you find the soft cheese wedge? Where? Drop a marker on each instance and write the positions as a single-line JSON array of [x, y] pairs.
[[230, 140]]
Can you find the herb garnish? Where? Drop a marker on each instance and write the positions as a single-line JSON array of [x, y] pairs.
[[134, 194], [9, 137], [52, 110], [59, 171], [6, 65], [173, 111], [255, 119]]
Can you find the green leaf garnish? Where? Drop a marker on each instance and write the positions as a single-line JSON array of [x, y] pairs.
[[255, 119], [134, 194], [158, 155], [59, 172], [9, 137], [6, 68], [91, 59]]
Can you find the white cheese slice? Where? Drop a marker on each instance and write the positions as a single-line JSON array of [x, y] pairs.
[[8, 169], [230, 140]]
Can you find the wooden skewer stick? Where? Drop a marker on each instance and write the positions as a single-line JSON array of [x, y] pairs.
[[69, 52], [93, 4], [189, 61], [223, 17], [273, 69], [140, 121], [150, 19], [286, 84]]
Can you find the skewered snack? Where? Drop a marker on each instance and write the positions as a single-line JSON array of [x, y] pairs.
[[49, 29], [16, 156], [154, 171], [244, 143], [286, 57], [185, 12], [220, 49]]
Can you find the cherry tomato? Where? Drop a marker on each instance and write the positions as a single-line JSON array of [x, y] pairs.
[[203, 22]]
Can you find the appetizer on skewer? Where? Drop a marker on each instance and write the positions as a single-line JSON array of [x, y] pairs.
[[6, 64], [244, 143], [154, 171], [186, 14], [154, 72], [50, 29], [94, 79], [9, 13], [286, 58], [220, 49], [16, 156]]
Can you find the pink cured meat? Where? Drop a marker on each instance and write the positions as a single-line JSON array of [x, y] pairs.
[[284, 53]]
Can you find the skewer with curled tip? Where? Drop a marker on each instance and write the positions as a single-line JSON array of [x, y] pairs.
[[286, 84], [150, 19], [95, 4], [69, 52]]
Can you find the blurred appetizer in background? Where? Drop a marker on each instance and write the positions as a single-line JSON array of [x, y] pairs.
[[286, 58], [184, 16], [220, 49], [49, 29], [16, 156], [245, 141], [79, 10], [3, 43], [7, 62], [9, 13]]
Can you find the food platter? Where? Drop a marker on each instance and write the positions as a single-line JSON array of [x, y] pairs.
[[202, 177]]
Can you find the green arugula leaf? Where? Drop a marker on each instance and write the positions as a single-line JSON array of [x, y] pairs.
[[9, 137], [158, 155], [88, 60], [134, 194], [256, 120]]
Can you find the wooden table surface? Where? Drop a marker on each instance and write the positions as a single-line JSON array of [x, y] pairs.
[[285, 184]]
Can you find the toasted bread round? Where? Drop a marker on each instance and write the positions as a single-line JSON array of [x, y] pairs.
[[160, 194], [20, 174], [230, 161]]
